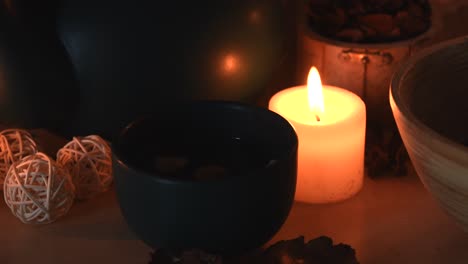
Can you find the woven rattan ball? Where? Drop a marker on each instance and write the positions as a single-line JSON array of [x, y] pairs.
[[88, 159], [14, 145], [38, 190]]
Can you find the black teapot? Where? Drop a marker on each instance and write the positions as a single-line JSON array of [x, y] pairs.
[[135, 58], [37, 84], [92, 66]]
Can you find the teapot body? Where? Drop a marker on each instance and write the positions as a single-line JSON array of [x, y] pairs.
[[135, 59], [36, 77]]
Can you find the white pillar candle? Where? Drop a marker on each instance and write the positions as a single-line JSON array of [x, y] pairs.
[[330, 123]]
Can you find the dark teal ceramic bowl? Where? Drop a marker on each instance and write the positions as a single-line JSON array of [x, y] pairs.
[[227, 180]]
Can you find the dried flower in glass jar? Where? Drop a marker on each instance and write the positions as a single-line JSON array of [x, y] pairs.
[[369, 21], [37, 190], [14, 145], [88, 160]]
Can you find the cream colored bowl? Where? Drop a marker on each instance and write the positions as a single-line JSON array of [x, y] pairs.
[[429, 100]]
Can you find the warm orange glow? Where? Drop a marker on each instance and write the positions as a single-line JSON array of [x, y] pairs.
[[315, 92], [254, 16], [230, 63]]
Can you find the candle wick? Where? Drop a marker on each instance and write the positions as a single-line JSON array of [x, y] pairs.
[[317, 118]]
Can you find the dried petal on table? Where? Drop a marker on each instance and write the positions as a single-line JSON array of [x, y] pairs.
[[284, 250], [319, 246], [317, 251], [342, 253]]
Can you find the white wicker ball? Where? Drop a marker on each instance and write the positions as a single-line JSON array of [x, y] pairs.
[[38, 190], [88, 159], [14, 145]]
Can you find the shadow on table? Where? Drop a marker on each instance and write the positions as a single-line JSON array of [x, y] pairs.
[[392, 220], [97, 218]]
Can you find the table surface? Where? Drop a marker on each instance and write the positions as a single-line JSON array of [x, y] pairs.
[[392, 220]]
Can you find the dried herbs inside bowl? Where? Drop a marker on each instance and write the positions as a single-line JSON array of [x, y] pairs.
[[369, 21], [317, 251]]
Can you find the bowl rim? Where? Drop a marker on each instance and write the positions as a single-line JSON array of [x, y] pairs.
[[420, 38], [117, 152], [414, 40], [400, 75]]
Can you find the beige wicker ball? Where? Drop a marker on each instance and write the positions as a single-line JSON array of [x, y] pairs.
[[88, 159], [14, 145], [38, 190]]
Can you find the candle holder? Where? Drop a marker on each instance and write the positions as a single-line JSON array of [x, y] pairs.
[[216, 176], [359, 45]]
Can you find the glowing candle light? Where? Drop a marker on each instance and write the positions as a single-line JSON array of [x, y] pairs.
[[330, 123]]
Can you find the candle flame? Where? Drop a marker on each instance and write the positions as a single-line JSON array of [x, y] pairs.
[[314, 88]]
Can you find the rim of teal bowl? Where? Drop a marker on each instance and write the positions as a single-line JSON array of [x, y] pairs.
[[117, 155], [400, 74]]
